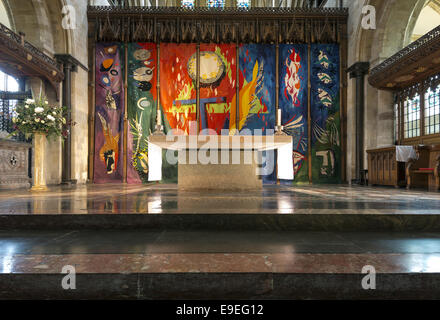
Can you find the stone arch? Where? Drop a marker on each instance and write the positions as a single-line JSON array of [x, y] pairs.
[[413, 20], [395, 21], [41, 21], [8, 15]]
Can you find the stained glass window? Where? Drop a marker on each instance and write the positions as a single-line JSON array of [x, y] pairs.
[[215, 3], [188, 3], [243, 4], [411, 117], [432, 111]]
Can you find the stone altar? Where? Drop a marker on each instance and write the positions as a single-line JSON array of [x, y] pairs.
[[220, 162]]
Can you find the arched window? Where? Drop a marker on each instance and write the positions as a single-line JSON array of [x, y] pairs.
[[432, 111], [188, 3], [215, 3], [411, 117]]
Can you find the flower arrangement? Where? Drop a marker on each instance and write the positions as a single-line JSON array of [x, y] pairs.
[[39, 116]]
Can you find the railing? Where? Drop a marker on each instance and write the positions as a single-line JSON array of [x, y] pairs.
[[19, 39], [8, 100], [424, 41]]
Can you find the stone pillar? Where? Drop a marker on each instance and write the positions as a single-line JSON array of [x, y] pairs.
[[70, 64], [39, 177], [385, 119], [358, 71]]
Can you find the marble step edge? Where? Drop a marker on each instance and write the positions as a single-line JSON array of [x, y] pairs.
[[293, 222], [205, 263]]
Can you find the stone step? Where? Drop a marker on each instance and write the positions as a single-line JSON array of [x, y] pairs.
[[269, 222], [221, 276]]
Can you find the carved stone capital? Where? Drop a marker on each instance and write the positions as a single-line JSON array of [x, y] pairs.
[[359, 69]]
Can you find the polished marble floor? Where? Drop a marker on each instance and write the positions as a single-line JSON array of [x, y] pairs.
[[323, 239], [168, 199], [119, 251]]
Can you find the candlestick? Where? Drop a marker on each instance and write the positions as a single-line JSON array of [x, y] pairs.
[[279, 127], [159, 117], [159, 127]]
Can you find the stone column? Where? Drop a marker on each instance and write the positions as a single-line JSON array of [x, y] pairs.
[[385, 119], [358, 71], [70, 64], [39, 177]]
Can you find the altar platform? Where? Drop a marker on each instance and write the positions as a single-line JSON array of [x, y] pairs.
[[159, 242], [274, 207]]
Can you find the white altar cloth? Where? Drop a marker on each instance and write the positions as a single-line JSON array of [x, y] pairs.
[[404, 153]]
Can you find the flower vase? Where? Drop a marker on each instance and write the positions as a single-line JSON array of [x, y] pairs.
[[39, 174]]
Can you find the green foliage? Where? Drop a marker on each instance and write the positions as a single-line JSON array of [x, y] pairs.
[[39, 116]]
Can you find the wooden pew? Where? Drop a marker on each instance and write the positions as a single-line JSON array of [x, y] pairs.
[[424, 171], [383, 168]]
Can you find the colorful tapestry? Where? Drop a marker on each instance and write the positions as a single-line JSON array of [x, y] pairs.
[[325, 109], [257, 88], [109, 113], [257, 97], [218, 74], [141, 108], [178, 84], [293, 80]]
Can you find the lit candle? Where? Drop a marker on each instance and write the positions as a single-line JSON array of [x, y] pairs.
[[279, 117]]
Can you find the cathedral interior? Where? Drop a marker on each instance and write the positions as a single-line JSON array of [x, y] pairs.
[[220, 149]]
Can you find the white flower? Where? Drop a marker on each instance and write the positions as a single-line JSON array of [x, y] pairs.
[[42, 121], [54, 113], [26, 106], [29, 101], [64, 120], [14, 120], [37, 120], [46, 102], [50, 117], [39, 110]]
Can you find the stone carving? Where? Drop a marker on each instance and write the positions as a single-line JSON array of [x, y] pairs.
[[14, 48], [257, 25], [14, 164]]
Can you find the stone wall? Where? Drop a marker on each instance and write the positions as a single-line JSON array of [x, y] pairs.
[[80, 104], [41, 21], [395, 20]]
